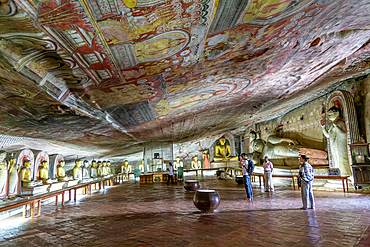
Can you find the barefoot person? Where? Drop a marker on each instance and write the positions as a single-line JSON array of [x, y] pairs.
[[268, 167], [247, 169], [306, 176]]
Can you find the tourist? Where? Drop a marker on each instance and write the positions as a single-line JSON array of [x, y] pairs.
[[306, 175], [247, 169], [170, 174], [268, 167]]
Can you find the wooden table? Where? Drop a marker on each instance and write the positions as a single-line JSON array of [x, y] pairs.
[[294, 177]]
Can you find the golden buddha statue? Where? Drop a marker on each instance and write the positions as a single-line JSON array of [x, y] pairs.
[[26, 174], [178, 163], [44, 172], [93, 169], [100, 169], [77, 170], [141, 166], [13, 178], [104, 168], [109, 169], [3, 174], [195, 163], [85, 170], [223, 151], [61, 171]]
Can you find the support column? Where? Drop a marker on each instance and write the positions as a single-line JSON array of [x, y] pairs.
[[367, 107], [145, 163]]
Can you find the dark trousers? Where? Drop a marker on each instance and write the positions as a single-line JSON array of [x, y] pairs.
[[248, 186], [170, 177]]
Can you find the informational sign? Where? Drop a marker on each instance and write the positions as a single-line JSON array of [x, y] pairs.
[[334, 172]]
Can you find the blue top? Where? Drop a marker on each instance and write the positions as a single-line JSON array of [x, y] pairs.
[[306, 172]]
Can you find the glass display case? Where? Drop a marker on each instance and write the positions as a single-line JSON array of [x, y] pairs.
[[360, 163]]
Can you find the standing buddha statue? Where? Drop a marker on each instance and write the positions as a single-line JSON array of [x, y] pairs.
[[3, 174], [109, 168], [177, 163], [13, 178]]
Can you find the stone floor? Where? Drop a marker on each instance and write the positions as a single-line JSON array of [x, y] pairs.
[[133, 214]]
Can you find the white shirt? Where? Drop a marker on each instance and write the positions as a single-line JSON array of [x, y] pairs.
[[170, 171], [244, 168], [268, 166]]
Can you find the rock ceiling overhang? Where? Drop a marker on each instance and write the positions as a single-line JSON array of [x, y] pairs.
[[109, 74]]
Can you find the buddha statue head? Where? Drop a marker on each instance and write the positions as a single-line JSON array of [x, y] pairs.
[[195, 158], [108, 163], [93, 163], [45, 164], [2, 156], [99, 163], [222, 140], [78, 162], [334, 113], [27, 163], [86, 163], [178, 159], [13, 160], [104, 163], [126, 162], [258, 145], [62, 163]]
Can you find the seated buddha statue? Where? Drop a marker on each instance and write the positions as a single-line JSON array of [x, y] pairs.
[[223, 151], [13, 178], [93, 169], [26, 175], [77, 170], [104, 167], [195, 163], [61, 171], [178, 163], [85, 170], [100, 169], [109, 168], [141, 166], [44, 173]]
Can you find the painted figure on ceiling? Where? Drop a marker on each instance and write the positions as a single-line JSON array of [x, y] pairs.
[[337, 135]]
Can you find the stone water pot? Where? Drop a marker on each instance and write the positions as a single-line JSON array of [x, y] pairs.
[[206, 200], [239, 179], [191, 185]]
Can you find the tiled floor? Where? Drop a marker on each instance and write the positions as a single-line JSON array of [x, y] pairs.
[[133, 214]]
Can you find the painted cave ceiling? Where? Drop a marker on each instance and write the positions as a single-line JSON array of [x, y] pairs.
[[110, 75]]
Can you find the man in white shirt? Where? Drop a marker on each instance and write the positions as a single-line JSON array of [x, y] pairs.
[[268, 167]]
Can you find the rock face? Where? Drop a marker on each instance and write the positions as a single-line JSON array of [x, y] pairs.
[[170, 71]]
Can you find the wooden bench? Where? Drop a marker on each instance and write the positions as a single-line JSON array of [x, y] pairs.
[[34, 202], [294, 177]]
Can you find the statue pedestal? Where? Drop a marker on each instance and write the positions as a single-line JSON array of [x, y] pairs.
[[72, 183], [232, 163], [35, 190], [56, 186]]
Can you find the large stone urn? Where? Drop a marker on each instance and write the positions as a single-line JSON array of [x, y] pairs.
[[206, 200], [191, 185]]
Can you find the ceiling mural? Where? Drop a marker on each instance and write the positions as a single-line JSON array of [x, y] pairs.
[[108, 74]]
